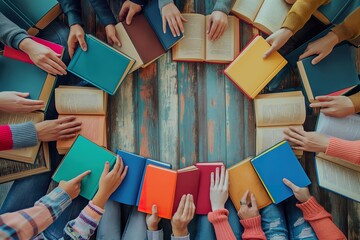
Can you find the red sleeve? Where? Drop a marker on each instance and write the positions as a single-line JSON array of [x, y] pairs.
[[6, 141], [219, 219]]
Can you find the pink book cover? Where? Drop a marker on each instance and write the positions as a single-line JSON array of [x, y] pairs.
[[21, 56]]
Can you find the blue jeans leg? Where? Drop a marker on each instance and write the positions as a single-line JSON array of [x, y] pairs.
[[273, 222], [110, 224], [234, 219]]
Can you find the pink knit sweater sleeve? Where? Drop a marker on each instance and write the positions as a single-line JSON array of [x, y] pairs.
[[219, 219], [347, 150], [252, 228]]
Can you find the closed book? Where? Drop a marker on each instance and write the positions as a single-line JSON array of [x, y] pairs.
[[275, 164], [328, 76], [101, 65], [328, 13], [84, 155], [242, 71], [203, 205]]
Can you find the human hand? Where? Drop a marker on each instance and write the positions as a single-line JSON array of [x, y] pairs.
[[109, 181], [301, 194], [73, 186], [76, 37], [216, 25], [111, 35], [306, 141], [128, 10], [277, 40], [17, 102], [53, 130], [183, 216], [152, 220], [248, 209], [171, 14], [219, 188], [334, 106], [43, 57], [321, 47]]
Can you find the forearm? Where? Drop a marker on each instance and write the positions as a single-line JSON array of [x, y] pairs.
[[252, 228], [18, 136], [349, 29], [72, 9], [219, 219], [356, 101], [10, 33], [347, 150], [224, 5], [103, 11]]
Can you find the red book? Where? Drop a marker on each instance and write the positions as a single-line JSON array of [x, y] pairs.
[[22, 56]]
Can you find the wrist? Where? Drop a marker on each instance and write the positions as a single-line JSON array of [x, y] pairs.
[[180, 232], [332, 38], [26, 44], [100, 200], [289, 33], [215, 207], [153, 227]]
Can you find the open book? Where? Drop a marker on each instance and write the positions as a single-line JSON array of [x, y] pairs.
[[266, 15], [275, 112], [196, 45], [89, 106]]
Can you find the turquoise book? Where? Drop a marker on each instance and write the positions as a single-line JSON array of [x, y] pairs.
[[334, 73], [84, 155], [101, 65], [153, 15], [330, 12], [276, 163]]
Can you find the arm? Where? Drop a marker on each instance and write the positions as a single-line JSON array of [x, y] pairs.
[[72, 10], [10, 33], [347, 150], [103, 11], [349, 29], [219, 219], [18, 136]]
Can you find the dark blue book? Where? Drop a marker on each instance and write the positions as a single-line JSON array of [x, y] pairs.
[[275, 164], [330, 12], [153, 15]]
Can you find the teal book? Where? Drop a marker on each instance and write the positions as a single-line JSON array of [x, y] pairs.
[[84, 155], [153, 15], [330, 12], [334, 73], [101, 65], [276, 163]]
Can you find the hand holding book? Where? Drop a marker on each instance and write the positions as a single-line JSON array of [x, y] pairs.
[[76, 37], [73, 186], [172, 16], [216, 25], [128, 11], [249, 208], [334, 106], [301, 194], [219, 186], [277, 40]]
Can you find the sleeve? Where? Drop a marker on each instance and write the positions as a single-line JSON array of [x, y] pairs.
[[28, 223], [347, 150], [252, 228], [18, 136], [10, 33], [300, 13], [139, 2], [224, 6], [162, 3], [320, 220], [219, 219], [349, 29], [155, 235], [72, 9], [356, 101], [103, 11], [84, 226]]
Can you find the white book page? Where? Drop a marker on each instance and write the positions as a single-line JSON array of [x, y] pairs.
[[347, 128]]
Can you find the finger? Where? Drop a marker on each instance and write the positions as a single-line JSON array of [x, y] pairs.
[[115, 40], [123, 174], [71, 51], [56, 58], [213, 29], [191, 207], [217, 177], [81, 39], [175, 25], [164, 24], [253, 201], [130, 16], [171, 27], [187, 206], [317, 59], [66, 119], [324, 98], [68, 131], [31, 102], [292, 134], [293, 140], [109, 40], [270, 51], [226, 179], [22, 94], [299, 148], [288, 183], [208, 26], [56, 66], [212, 181], [245, 196], [182, 18], [106, 169], [299, 131], [117, 165], [80, 177], [308, 52], [221, 33], [123, 12], [121, 164], [181, 204], [31, 108], [154, 211], [69, 125], [65, 137], [222, 176], [217, 33], [327, 111], [179, 23], [50, 69], [320, 105]]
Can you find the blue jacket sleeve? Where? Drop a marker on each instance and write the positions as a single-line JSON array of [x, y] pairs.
[[103, 12], [72, 9]]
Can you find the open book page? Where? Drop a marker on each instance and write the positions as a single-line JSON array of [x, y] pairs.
[[345, 128], [339, 161], [246, 9], [80, 100], [339, 179], [267, 137], [192, 46], [271, 15], [127, 46], [226, 48], [279, 109]]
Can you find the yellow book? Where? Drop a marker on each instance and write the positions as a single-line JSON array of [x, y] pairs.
[[250, 72]]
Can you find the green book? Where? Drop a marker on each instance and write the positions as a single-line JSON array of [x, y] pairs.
[[329, 12], [85, 155], [101, 65]]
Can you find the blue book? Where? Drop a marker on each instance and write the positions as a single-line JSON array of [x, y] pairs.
[[101, 65], [130, 189], [153, 15], [276, 163], [329, 13]]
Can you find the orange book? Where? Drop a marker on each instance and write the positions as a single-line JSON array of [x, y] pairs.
[[88, 105]]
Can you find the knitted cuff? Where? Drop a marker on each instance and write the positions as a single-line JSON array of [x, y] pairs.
[[311, 208], [56, 201], [24, 135], [218, 216], [18, 39], [344, 149], [356, 101], [162, 3], [252, 226]]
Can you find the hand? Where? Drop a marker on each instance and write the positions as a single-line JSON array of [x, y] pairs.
[[334, 106], [76, 37], [72, 187], [301, 194], [171, 14], [43, 57], [111, 35], [277, 40], [219, 189], [183, 216], [321, 47], [216, 25], [306, 141], [152, 221], [109, 181], [128, 10], [17, 102], [248, 209], [53, 130]]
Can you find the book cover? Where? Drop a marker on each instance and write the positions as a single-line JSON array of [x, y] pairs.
[[328, 13], [275, 164], [242, 71], [84, 155], [101, 65], [17, 18]]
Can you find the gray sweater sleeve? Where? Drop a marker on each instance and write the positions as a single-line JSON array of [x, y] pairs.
[[24, 135], [10, 33]]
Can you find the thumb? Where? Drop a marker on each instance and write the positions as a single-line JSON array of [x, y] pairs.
[[22, 94], [116, 40], [317, 59], [268, 52], [288, 183], [82, 43], [324, 98], [80, 177], [154, 210], [253, 201], [129, 17]]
